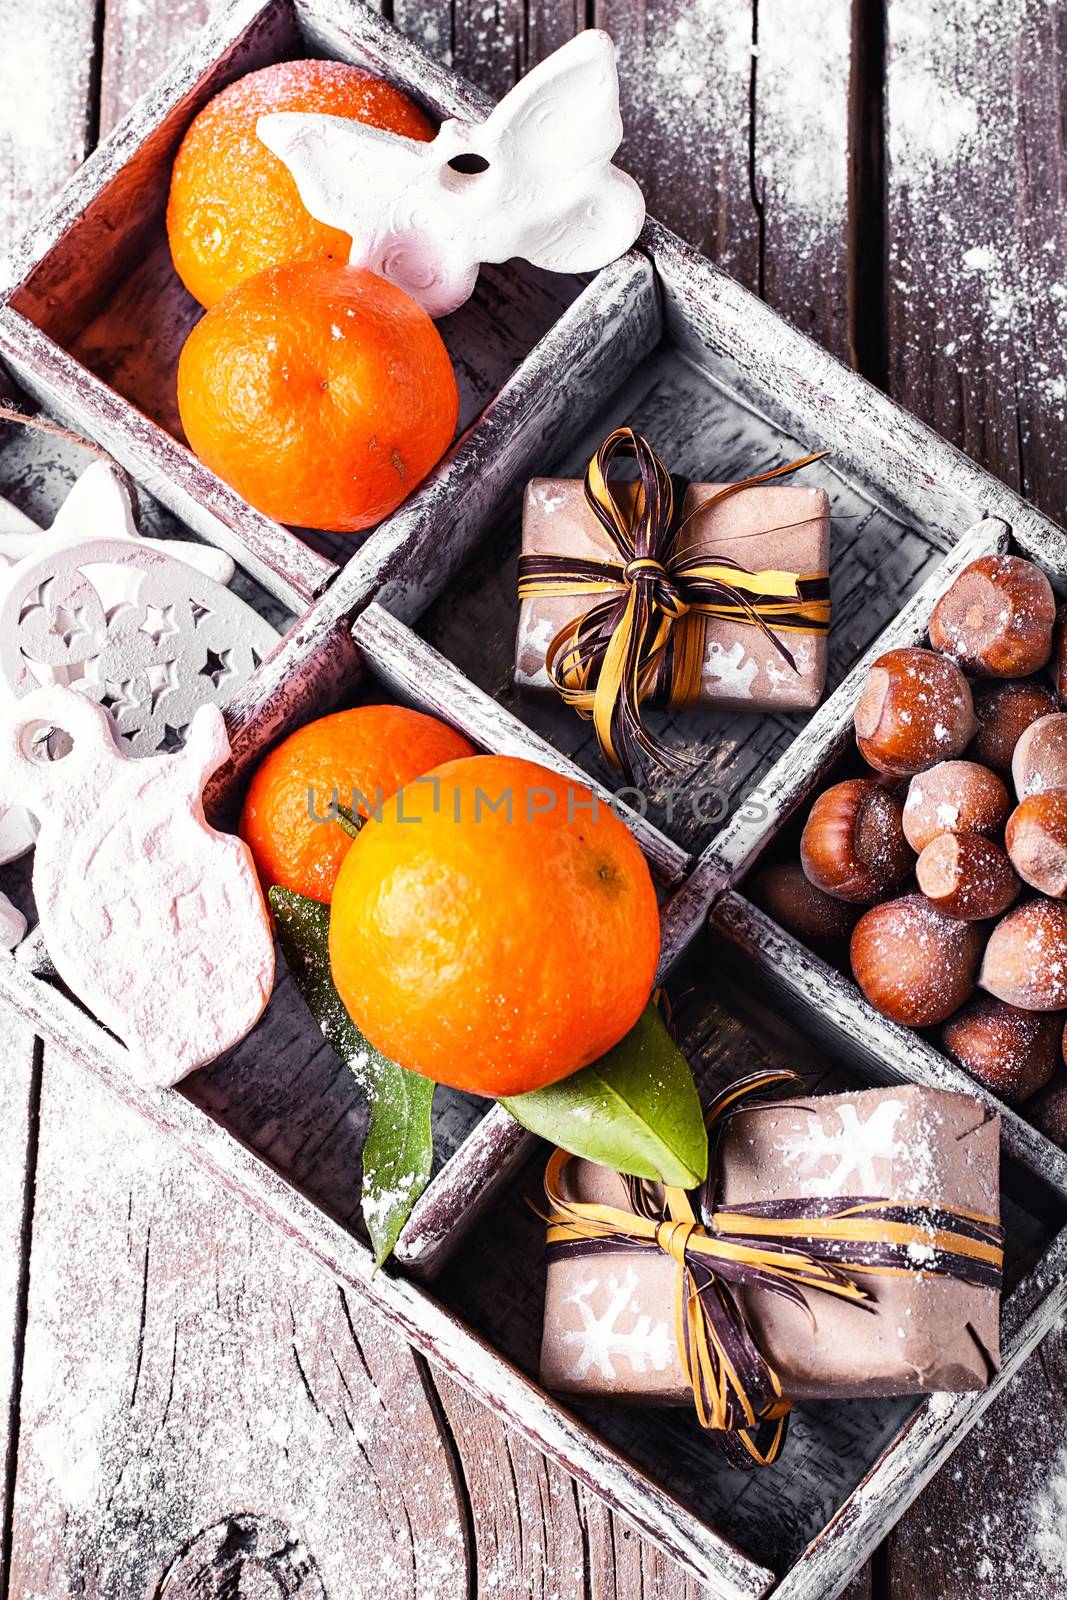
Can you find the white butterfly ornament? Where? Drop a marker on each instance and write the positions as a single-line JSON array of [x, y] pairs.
[[535, 180]]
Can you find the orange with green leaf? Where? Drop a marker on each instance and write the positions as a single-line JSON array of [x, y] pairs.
[[495, 928]]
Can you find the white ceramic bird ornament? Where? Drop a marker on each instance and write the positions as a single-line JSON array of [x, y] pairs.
[[151, 917], [534, 179]]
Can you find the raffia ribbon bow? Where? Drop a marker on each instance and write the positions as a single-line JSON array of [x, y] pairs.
[[792, 1248], [647, 635]]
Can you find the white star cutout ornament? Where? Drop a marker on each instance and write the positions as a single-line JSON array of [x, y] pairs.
[[73, 595], [535, 180], [149, 639]]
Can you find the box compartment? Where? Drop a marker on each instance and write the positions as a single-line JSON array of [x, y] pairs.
[[95, 279], [728, 1028]]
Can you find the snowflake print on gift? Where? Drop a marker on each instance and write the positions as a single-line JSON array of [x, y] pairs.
[[600, 1340], [535, 635], [729, 672], [781, 674], [851, 1150]]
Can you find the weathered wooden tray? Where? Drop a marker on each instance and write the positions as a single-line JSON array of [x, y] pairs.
[[424, 610]]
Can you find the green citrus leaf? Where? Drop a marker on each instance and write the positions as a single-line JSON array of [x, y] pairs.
[[398, 1151], [635, 1110]]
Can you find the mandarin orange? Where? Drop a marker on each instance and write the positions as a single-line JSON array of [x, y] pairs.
[[320, 392], [357, 759], [496, 928], [234, 207]]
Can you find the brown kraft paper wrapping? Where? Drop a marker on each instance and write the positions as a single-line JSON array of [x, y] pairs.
[[609, 1318], [766, 526]]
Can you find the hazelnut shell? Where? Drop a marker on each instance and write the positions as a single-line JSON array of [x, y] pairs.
[[968, 876], [954, 797], [1048, 1111], [1036, 841], [1057, 666], [853, 844], [913, 964], [1025, 961], [821, 921], [1013, 1053], [915, 710], [997, 617], [1040, 758], [1005, 710]]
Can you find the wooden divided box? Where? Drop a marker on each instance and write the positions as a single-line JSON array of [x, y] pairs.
[[424, 610]]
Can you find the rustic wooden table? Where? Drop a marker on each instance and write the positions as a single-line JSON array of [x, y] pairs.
[[190, 1407]]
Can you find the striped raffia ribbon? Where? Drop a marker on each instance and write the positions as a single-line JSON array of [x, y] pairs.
[[792, 1248], [646, 633]]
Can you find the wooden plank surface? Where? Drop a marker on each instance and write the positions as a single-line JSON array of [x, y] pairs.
[[993, 1526], [44, 135], [977, 230], [197, 1372], [49, 75], [183, 1369], [20, 1087], [737, 129]]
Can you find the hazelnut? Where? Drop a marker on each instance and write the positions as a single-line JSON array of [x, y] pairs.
[[915, 710], [912, 963], [965, 875], [954, 797], [853, 845], [1036, 840], [996, 620], [1014, 1053], [1026, 958], [1058, 662], [1040, 759], [1048, 1112], [1004, 712], [815, 918]]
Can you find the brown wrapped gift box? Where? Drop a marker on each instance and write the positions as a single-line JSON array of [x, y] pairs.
[[769, 525], [609, 1317]]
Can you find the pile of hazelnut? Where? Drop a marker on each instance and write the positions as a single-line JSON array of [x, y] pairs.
[[956, 840]]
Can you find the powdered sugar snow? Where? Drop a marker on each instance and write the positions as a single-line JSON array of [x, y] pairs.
[[1050, 1518]]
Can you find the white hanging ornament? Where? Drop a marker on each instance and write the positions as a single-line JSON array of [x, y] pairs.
[[147, 638], [98, 507], [534, 179], [15, 524], [151, 917], [18, 831], [12, 924]]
